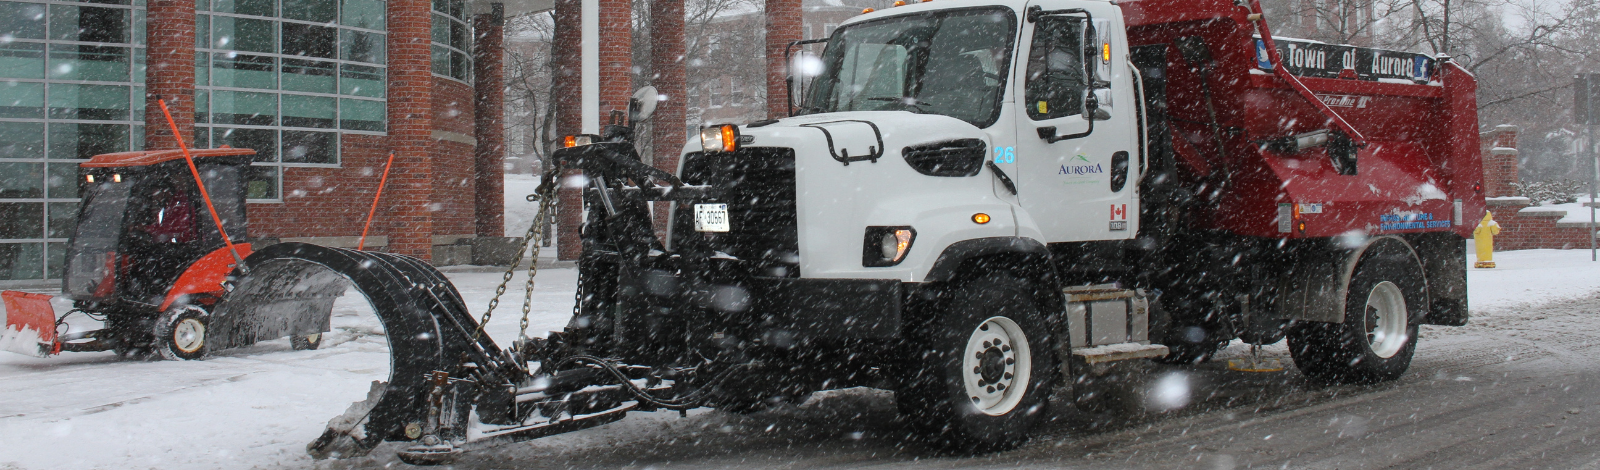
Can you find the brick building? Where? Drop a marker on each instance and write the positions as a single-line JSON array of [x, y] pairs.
[[323, 90]]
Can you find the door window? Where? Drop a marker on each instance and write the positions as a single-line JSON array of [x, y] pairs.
[[1055, 81]]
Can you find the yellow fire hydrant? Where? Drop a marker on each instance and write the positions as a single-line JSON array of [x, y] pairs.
[[1483, 238]]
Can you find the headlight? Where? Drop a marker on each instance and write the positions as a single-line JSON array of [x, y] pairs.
[[723, 138], [887, 246]]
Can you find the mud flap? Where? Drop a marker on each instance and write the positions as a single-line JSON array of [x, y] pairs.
[[30, 324]]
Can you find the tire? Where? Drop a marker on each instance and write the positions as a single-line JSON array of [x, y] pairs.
[[305, 343], [181, 334], [980, 372], [1387, 297]]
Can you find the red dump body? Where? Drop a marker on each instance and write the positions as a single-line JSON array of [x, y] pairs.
[[1421, 159]]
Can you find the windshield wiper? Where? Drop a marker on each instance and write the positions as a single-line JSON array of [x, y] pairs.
[[910, 102]]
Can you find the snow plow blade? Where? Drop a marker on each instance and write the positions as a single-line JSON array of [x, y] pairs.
[[30, 324], [290, 289]]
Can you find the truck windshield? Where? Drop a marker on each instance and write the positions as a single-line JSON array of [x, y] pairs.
[[951, 62]]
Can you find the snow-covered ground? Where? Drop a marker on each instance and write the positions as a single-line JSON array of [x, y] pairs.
[[258, 407]]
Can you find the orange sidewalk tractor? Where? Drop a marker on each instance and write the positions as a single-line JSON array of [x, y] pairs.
[[147, 258]]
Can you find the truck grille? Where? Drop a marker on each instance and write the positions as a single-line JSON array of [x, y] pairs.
[[758, 184]]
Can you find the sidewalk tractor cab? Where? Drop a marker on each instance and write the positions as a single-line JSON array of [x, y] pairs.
[[146, 257]]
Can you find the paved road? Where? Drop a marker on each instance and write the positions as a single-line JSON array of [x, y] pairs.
[[1519, 388]]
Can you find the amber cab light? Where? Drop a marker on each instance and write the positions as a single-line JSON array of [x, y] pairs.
[[980, 218]]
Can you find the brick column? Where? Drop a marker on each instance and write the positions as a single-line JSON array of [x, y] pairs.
[[1499, 150], [784, 19], [410, 129], [567, 94], [616, 57], [668, 124], [489, 106], [170, 36]]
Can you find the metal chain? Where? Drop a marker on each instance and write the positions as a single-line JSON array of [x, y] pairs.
[[535, 232]]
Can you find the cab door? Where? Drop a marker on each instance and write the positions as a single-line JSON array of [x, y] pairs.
[[1073, 158]]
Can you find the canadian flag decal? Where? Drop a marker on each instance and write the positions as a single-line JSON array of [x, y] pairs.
[[1119, 212]]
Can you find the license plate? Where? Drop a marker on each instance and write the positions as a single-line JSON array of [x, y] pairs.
[[711, 217]]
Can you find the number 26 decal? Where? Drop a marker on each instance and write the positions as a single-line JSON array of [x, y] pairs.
[[1005, 155]]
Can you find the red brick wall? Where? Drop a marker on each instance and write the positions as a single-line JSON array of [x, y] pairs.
[[410, 226], [568, 84], [666, 60], [329, 202], [170, 75], [1499, 169], [1534, 229], [488, 125], [784, 19]]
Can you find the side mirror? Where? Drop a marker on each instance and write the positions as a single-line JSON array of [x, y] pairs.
[[643, 104]]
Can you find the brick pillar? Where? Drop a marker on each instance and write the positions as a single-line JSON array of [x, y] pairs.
[[410, 129], [170, 36], [567, 94], [783, 27], [668, 124], [616, 57], [488, 108], [1500, 160]]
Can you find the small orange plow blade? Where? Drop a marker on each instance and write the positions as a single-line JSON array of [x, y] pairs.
[[30, 324]]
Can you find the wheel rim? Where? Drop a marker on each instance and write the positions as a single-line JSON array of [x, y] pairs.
[[1386, 320], [996, 366], [189, 335]]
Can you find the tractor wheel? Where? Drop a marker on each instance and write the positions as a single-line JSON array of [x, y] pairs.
[[305, 343], [1379, 334], [181, 334], [981, 371]]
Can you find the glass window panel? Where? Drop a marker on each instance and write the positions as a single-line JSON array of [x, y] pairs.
[[21, 181], [202, 31], [309, 75], [459, 38], [360, 80], [138, 36], [55, 260], [21, 100], [309, 40], [460, 67], [89, 63], [61, 180], [441, 61], [245, 7], [441, 29], [138, 137], [361, 115], [308, 111], [362, 47], [367, 14], [242, 34], [243, 71], [22, 140], [202, 137], [261, 182], [82, 141], [95, 102], [89, 24], [110, 2], [138, 66], [310, 147], [239, 107], [20, 260], [21, 59], [442, 6], [321, 11], [63, 218], [263, 141], [138, 101], [202, 107], [201, 5], [202, 70], [21, 220], [22, 20], [457, 8]]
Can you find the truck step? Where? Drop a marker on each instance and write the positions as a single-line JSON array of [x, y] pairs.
[[1119, 352]]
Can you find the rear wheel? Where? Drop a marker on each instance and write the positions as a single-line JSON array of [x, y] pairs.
[[1379, 334], [981, 371], [181, 334]]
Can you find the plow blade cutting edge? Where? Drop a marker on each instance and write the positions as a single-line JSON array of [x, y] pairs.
[[30, 324]]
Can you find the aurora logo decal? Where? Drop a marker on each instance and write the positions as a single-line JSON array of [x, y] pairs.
[[1080, 165]]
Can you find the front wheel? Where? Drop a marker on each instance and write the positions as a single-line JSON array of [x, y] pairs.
[[181, 334], [981, 371], [1379, 334]]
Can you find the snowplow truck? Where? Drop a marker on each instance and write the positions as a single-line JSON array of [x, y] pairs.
[[975, 204]]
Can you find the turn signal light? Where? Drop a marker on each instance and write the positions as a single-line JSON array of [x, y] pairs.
[[723, 138], [980, 218], [577, 140], [867, 10], [899, 3]]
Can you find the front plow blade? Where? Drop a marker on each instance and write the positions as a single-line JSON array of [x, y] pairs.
[[30, 324]]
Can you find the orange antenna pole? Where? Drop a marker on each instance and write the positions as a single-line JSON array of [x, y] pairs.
[[203, 193], [374, 210]]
